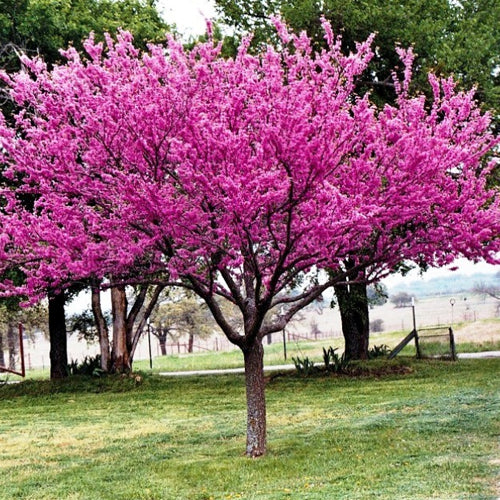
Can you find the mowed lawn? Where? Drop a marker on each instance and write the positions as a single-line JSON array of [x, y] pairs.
[[430, 433]]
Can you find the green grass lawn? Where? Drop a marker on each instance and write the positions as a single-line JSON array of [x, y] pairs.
[[432, 433]]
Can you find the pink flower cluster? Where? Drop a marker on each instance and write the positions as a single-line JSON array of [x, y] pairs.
[[238, 175]]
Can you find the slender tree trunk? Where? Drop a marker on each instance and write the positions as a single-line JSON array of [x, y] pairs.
[[57, 336], [12, 344], [135, 329], [120, 358], [256, 399], [2, 357], [190, 343], [353, 305], [102, 328]]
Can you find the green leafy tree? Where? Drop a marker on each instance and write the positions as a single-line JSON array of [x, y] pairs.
[[11, 314], [46, 26], [181, 315], [459, 38], [377, 295], [401, 299]]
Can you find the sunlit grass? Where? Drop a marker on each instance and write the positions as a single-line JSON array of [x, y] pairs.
[[428, 434]]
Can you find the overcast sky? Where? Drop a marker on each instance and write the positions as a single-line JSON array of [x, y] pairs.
[[188, 15]]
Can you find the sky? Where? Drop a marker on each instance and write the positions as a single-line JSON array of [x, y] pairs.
[[189, 16]]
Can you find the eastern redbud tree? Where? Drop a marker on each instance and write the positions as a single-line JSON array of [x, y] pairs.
[[240, 179]]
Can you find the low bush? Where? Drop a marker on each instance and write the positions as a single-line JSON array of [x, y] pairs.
[[379, 351], [90, 366], [304, 366], [335, 363]]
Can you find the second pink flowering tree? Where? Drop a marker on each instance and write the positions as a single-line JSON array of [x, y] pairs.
[[241, 179]]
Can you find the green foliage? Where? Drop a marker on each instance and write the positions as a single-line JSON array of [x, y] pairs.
[[401, 299], [379, 351], [181, 313], [45, 26], [377, 295], [33, 318], [83, 324], [459, 38], [304, 366], [90, 366], [377, 325], [335, 363]]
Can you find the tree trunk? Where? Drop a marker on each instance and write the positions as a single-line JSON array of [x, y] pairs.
[[120, 357], [2, 357], [162, 335], [12, 336], [256, 400], [190, 343], [135, 329], [163, 345], [353, 305], [57, 336], [102, 328]]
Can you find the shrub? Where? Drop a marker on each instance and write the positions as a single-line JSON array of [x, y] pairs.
[[304, 366], [378, 351], [377, 325], [335, 363], [89, 366]]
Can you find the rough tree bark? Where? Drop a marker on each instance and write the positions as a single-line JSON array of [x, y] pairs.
[[353, 305], [12, 336], [121, 362], [2, 357], [352, 300], [102, 328], [256, 398], [162, 339], [58, 336], [128, 326]]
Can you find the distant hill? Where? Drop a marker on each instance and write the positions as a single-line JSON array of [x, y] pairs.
[[455, 283]]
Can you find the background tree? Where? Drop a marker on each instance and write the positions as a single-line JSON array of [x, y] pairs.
[[490, 290], [401, 299], [182, 314], [458, 38], [83, 325], [440, 32], [45, 26], [239, 179], [377, 295], [33, 319]]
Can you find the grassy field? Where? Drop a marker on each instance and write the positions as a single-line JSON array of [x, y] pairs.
[[430, 433], [274, 354]]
